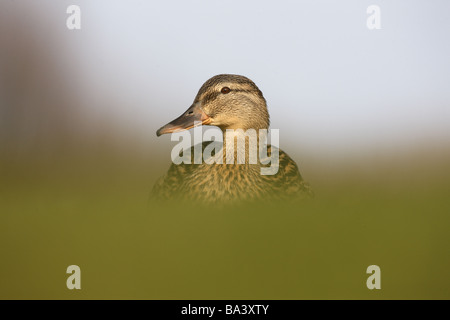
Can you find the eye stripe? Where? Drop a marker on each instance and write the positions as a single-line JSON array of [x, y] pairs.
[[210, 97], [213, 95]]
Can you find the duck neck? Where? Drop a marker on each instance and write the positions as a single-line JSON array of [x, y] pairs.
[[241, 146]]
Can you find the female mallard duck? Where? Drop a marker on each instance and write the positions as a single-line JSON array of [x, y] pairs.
[[229, 102]]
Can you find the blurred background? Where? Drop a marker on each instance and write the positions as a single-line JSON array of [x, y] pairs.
[[364, 113]]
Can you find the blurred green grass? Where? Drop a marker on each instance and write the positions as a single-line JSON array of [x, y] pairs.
[[90, 209]]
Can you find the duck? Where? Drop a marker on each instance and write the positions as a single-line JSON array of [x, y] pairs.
[[235, 105]]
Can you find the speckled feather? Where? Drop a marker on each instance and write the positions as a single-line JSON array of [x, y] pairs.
[[232, 182]]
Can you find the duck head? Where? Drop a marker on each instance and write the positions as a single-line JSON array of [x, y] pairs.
[[227, 101]]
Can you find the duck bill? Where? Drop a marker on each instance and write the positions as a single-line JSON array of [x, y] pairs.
[[194, 116]]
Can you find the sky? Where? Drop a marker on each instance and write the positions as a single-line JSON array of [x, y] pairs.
[[329, 81]]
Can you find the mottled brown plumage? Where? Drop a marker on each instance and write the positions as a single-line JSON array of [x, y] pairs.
[[241, 107]]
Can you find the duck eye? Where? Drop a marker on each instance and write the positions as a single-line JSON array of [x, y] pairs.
[[225, 90]]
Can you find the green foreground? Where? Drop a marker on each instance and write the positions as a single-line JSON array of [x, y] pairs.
[[94, 213]]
